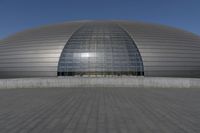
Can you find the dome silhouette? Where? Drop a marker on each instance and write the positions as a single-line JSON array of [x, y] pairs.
[[100, 48]]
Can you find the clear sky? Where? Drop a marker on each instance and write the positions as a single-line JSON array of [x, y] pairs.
[[17, 15]]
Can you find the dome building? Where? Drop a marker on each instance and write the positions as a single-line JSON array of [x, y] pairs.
[[100, 48]]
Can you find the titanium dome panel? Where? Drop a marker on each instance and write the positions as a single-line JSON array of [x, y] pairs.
[[100, 49], [34, 52], [166, 51]]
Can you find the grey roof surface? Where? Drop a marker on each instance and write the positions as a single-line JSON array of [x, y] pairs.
[[100, 110]]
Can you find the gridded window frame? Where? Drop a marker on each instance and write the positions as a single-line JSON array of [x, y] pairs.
[[115, 52]]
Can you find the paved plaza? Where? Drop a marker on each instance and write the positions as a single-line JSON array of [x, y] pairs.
[[100, 110]]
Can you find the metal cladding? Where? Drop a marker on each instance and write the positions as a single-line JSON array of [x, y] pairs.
[[100, 48]]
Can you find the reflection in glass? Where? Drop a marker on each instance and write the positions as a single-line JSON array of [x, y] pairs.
[[100, 49]]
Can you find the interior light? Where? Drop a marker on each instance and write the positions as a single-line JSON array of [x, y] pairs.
[[85, 54]]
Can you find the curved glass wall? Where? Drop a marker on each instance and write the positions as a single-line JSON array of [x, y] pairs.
[[99, 49]]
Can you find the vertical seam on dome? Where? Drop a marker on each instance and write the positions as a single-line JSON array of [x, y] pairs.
[[81, 25], [134, 42]]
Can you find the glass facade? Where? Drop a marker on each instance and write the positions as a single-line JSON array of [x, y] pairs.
[[100, 49]]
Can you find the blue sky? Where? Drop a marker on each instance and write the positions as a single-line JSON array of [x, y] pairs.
[[17, 15]]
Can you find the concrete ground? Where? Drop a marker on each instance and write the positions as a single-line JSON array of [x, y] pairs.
[[100, 110]]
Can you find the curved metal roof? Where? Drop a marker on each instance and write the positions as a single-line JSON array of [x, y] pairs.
[[165, 51]]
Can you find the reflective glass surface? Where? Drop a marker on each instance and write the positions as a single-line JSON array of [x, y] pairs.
[[100, 49]]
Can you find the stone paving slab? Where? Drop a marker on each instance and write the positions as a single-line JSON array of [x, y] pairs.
[[100, 110]]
